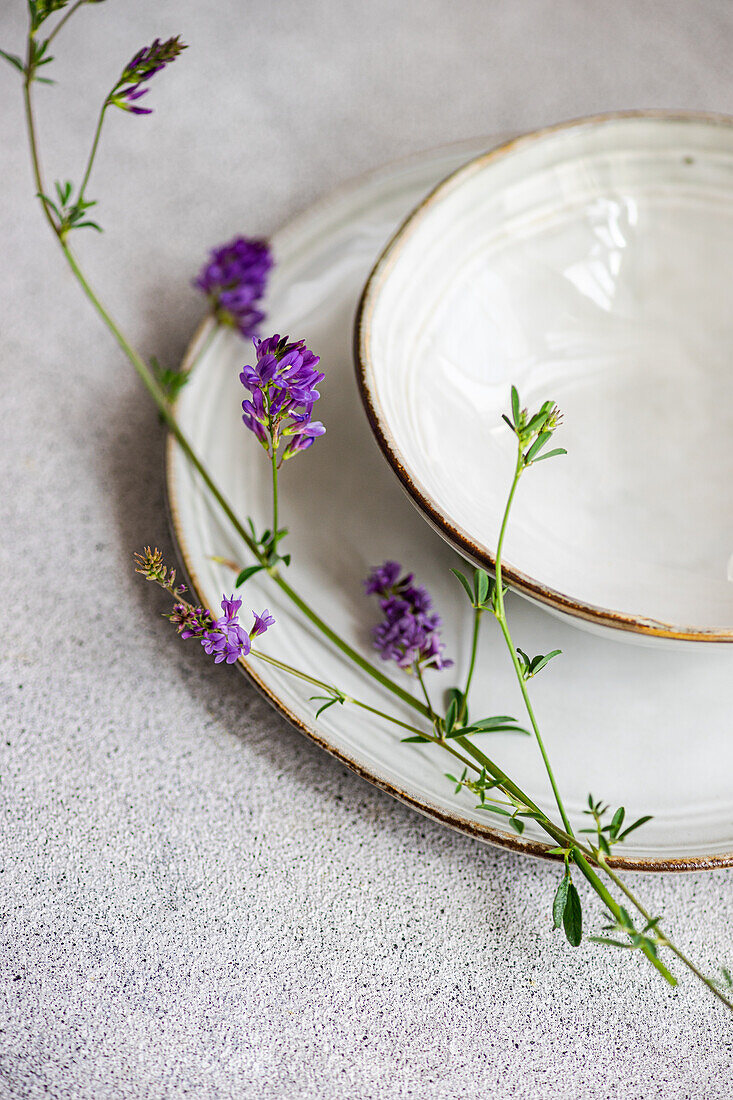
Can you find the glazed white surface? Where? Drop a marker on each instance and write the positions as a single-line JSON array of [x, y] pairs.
[[591, 266], [600, 704]]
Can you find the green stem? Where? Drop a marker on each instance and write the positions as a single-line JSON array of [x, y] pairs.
[[621, 885], [64, 18], [504, 626], [582, 854], [583, 857], [431, 713], [355, 702], [93, 153], [274, 495], [613, 907], [472, 664]]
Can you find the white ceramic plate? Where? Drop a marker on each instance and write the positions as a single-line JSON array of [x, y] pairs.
[[648, 729], [589, 263]]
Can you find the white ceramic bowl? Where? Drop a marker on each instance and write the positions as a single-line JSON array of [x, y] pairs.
[[590, 263]]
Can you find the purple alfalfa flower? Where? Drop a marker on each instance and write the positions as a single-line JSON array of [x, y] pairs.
[[144, 65], [409, 632], [282, 388], [262, 623], [234, 280], [227, 639]]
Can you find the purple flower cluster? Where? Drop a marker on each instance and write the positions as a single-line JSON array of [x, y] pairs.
[[224, 638], [234, 281], [190, 622], [409, 632], [282, 386], [144, 65]]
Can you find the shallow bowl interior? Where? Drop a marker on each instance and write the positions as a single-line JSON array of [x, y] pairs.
[[591, 264]]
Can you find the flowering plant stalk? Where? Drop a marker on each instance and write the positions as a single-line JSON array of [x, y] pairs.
[[281, 393]]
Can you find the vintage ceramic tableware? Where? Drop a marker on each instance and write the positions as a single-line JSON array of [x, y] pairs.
[[589, 263], [647, 729]]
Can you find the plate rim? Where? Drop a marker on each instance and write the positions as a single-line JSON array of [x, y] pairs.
[[486, 833], [550, 597]]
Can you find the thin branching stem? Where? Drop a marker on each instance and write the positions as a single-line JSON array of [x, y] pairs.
[[477, 613], [93, 152], [274, 494], [504, 626], [64, 19]]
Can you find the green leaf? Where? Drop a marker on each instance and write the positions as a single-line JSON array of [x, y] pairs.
[[481, 586], [498, 721], [325, 706], [630, 829], [457, 694], [517, 825], [14, 60], [538, 444], [246, 574], [515, 404], [524, 658], [50, 203], [572, 917], [560, 900], [508, 421], [539, 662], [494, 809], [417, 740], [550, 454], [609, 942], [464, 583], [450, 717], [617, 822]]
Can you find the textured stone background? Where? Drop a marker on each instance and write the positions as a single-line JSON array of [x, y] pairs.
[[195, 900]]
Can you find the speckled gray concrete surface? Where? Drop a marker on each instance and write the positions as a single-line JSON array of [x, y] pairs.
[[195, 900]]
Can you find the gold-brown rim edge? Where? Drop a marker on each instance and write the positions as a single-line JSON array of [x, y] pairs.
[[528, 586], [484, 833]]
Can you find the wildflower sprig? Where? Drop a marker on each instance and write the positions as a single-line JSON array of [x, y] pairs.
[[533, 433], [225, 638], [279, 412]]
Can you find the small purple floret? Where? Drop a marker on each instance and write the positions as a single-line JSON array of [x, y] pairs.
[[234, 280], [409, 633], [262, 623], [282, 387]]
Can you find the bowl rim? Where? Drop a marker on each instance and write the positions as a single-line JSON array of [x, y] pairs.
[[515, 578]]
